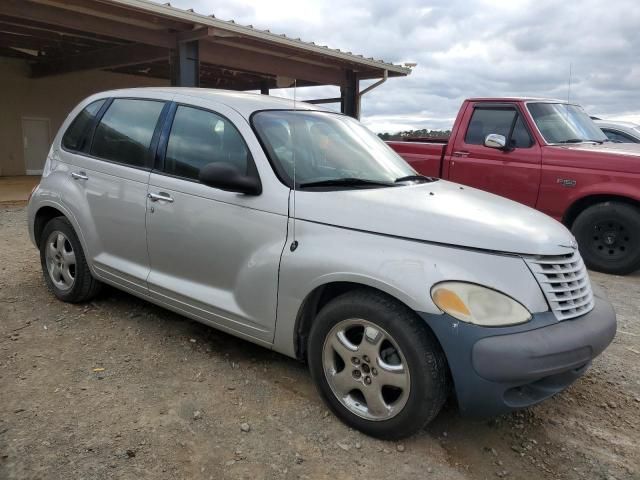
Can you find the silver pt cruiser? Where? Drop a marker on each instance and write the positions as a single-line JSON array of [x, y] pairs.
[[301, 231]]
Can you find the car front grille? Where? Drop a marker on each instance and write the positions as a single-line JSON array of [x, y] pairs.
[[564, 282]]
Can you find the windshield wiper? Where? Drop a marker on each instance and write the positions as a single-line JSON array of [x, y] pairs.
[[417, 178], [347, 182], [580, 140]]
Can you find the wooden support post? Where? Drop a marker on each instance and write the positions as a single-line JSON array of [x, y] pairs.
[[185, 65], [264, 87], [349, 95]]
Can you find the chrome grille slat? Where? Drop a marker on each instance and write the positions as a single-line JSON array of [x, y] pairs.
[[565, 284]]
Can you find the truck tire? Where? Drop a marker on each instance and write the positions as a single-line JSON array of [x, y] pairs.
[[378, 367], [608, 236], [64, 265]]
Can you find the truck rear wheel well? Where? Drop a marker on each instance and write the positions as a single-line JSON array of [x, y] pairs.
[[314, 302], [43, 216], [582, 204]]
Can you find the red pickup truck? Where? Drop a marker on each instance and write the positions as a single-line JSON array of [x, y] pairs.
[[551, 156]]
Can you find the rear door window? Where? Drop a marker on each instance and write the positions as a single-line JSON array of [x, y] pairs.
[[76, 136], [199, 137], [125, 131]]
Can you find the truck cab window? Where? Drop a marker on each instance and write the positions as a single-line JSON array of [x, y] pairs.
[[485, 121]]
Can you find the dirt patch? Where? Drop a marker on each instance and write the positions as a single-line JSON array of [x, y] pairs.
[[119, 388]]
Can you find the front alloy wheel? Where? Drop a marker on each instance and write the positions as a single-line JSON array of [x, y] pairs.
[[377, 364], [366, 370]]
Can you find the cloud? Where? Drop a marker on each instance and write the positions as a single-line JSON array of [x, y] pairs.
[[466, 48]]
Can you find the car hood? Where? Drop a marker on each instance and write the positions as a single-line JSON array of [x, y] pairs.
[[439, 212], [632, 149]]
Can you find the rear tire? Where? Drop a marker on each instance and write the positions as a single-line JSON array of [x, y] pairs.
[[396, 377], [64, 266], [608, 236]]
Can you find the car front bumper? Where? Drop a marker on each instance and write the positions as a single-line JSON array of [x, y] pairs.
[[497, 370]]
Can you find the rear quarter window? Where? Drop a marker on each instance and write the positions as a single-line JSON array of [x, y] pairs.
[[76, 136]]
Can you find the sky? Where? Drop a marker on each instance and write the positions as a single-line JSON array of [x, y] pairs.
[[465, 49]]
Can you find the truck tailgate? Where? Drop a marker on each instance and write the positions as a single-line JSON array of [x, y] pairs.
[[424, 157]]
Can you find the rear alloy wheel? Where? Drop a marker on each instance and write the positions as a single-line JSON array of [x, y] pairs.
[[608, 235], [60, 260], [377, 365], [64, 265]]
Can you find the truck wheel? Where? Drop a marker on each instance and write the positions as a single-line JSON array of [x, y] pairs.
[[608, 235], [64, 265], [377, 366]]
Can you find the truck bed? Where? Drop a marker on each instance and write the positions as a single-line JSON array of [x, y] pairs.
[[425, 157]]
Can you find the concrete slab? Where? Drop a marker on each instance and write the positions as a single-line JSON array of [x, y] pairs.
[[16, 190]]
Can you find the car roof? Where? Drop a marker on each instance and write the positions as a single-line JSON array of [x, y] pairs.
[[615, 123], [516, 99], [243, 102]]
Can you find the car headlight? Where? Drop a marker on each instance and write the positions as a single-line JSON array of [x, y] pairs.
[[479, 305]]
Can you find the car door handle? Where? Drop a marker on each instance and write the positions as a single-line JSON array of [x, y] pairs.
[[460, 153], [79, 176], [154, 197]]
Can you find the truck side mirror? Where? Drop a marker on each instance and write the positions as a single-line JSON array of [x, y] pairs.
[[494, 140]]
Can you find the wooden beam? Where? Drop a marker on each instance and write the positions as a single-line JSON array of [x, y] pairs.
[[249, 61], [84, 22], [203, 32], [320, 101], [113, 57], [32, 43], [58, 30]]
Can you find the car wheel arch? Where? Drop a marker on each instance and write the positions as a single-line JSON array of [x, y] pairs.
[[48, 210], [318, 298], [43, 216]]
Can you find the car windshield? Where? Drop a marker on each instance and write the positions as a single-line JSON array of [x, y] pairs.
[[329, 150], [564, 123]]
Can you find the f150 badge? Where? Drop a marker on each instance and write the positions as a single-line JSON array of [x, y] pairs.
[[566, 182]]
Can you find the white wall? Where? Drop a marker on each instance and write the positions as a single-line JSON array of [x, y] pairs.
[[49, 97]]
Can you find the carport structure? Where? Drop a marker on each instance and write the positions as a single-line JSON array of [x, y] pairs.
[[153, 44], [144, 38]]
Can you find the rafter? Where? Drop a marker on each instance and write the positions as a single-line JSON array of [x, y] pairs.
[[113, 57], [24, 9]]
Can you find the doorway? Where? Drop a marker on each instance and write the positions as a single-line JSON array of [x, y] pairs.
[[35, 141]]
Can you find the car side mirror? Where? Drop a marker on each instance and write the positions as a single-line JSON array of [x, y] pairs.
[[494, 140], [226, 177]]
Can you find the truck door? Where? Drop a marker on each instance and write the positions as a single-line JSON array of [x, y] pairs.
[[513, 172]]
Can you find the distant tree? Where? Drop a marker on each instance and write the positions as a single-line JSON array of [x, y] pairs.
[[422, 133]]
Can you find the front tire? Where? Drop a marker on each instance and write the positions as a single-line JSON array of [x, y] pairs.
[[608, 236], [64, 265], [378, 367]]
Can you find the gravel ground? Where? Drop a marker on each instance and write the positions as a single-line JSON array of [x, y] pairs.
[[119, 388]]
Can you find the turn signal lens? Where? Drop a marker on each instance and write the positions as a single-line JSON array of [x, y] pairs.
[[448, 301], [479, 305]]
